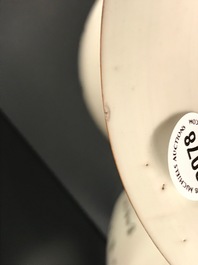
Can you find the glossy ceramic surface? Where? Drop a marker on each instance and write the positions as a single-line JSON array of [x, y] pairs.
[[149, 62], [128, 242]]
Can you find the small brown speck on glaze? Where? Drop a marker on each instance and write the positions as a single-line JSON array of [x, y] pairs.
[[184, 240], [147, 164], [115, 68], [130, 230], [107, 113], [163, 187]]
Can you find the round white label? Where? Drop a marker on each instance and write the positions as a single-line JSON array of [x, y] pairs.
[[183, 156]]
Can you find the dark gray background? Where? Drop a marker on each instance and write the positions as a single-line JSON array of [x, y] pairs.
[[41, 224], [41, 95]]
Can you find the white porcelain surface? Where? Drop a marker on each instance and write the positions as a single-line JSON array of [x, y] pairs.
[[89, 65], [149, 66], [128, 243], [131, 238]]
